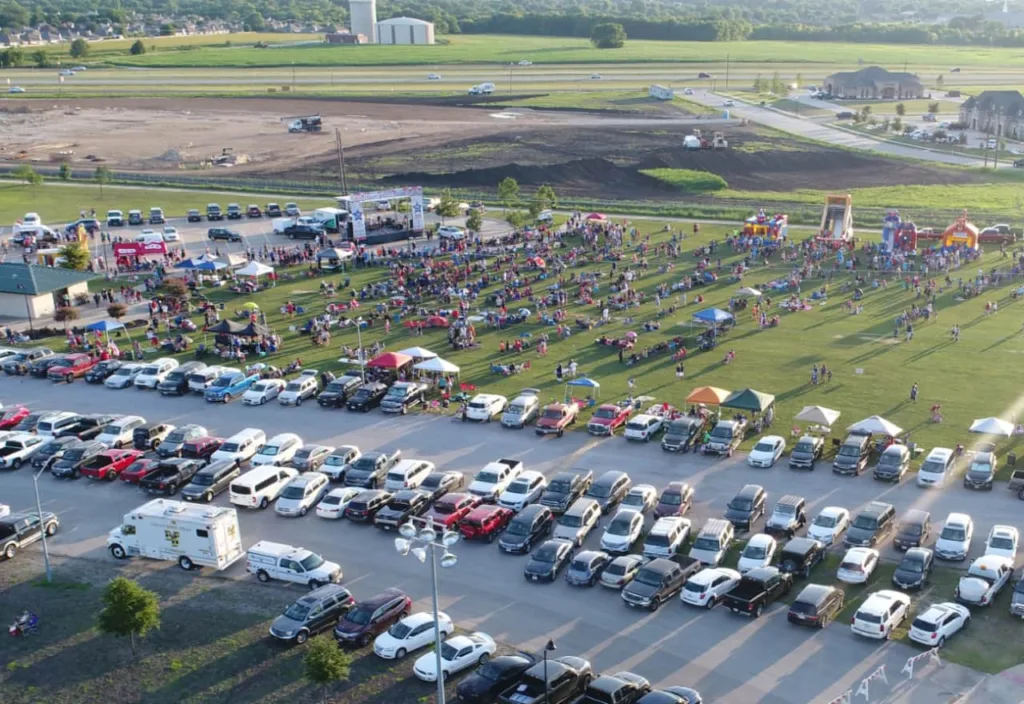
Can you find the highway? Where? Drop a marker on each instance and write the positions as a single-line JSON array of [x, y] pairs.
[[727, 658]]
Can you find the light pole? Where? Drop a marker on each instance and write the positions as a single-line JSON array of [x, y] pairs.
[[421, 542], [549, 647], [362, 352], [42, 526]]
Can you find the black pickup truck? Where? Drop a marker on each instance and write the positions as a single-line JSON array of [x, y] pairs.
[[170, 475], [557, 681], [659, 580], [758, 588]]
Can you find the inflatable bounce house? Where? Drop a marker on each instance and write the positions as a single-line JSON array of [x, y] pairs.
[[961, 233], [837, 220], [767, 227], [898, 236]]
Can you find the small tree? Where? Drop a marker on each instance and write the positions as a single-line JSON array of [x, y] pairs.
[[475, 221], [76, 256], [515, 218], [608, 35], [778, 87], [939, 81], [64, 173], [138, 48], [325, 663], [26, 173], [508, 191], [865, 111], [129, 610], [799, 80], [66, 314], [40, 58], [886, 124], [933, 108], [897, 124], [117, 310], [901, 109], [907, 129], [546, 195], [79, 48], [176, 287], [759, 86], [447, 206], [101, 176]]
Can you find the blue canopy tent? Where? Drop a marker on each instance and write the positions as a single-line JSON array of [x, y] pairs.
[[210, 266], [713, 316], [585, 383], [106, 326]]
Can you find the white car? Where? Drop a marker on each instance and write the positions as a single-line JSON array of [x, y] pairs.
[[433, 76], [705, 588], [494, 478], [524, 62], [279, 450], [334, 504], [938, 622], [413, 632], [484, 407], [301, 493], [124, 376], [936, 468], [880, 614], [15, 89], [524, 490], [170, 234], [729, 104], [643, 427], [120, 431], [954, 541], [18, 448], [622, 531], [595, 76], [457, 654], [758, 552], [262, 391], [829, 525], [857, 566], [450, 232], [767, 451], [155, 372], [688, 91], [985, 578], [1002, 542], [5, 510], [642, 498]]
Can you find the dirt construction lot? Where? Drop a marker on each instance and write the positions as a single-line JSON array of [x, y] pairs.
[[579, 153]]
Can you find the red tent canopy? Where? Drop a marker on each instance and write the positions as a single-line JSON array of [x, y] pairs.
[[390, 360], [596, 216], [437, 321]]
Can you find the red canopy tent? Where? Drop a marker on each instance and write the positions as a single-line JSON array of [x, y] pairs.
[[390, 360], [437, 321], [596, 216]]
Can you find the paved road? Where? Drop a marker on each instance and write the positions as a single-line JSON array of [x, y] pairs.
[[727, 658]]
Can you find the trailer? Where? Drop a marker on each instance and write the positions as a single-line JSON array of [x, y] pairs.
[[193, 535], [304, 123]]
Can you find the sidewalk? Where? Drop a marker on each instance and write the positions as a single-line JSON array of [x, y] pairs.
[[89, 314]]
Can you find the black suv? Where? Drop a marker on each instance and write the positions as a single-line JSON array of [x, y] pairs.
[[816, 606], [223, 233], [41, 367], [746, 507], [557, 681], [213, 212], [367, 396], [914, 568], [194, 216], [364, 506], [234, 211], [620, 688], [211, 480], [565, 488], [70, 465], [853, 454], [806, 452], [548, 560], [51, 452], [610, 489], [273, 210], [338, 391], [312, 613], [528, 526], [800, 555], [913, 530], [99, 373], [176, 383], [175, 441], [303, 231], [20, 529], [871, 526], [371, 617]]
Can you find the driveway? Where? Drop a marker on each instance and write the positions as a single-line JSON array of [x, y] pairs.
[[728, 658]]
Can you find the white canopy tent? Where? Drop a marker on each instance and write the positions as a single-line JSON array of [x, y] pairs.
[[749, 291], [436, 365], [255, 269], [992, 426], [876, 425], [418, 353], [818, 414]]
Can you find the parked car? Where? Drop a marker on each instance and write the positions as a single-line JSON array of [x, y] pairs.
[[767, 451], [531, 524], [107, 465], [211, 480], [829, 525], [548, 560], [448, 510], [758, 552], [880, 614], [333, 505], [99, 373], [364, 507], [658, 581], [954, 541], [565, 487], [871, 526], [985, 578], [816, 605], [608, 418], [412, 633], [683, 434], [369, 618], [18, 530], [367, 397], [914, 568], [621, 571], [756, 590], [610, 489], [317, 611], [726, 436], [485, 407], [643, 428], [301, 493], [806, 452], [437, 484], [522, 410], [556, 681], [858, 565], [788, 516], [493, 677], [981, 472], [746, 507], [338, 391], [523, 490], [223, 233], [643, 498], [402, 506], [675, 499], [913, 529], [893, 463], [939, 622]]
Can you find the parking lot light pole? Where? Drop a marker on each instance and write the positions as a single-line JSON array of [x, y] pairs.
[[549, 647], [362, 352], [422, 541], [42, 526]]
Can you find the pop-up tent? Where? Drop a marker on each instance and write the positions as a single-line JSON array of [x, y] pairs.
[[333, 258], [104, 326], [390, 360], [992, 426], [818, 414], [584, 383], [227, 327], [713, 316], [749, 400], [708, 395], [418, 353], [255, 269], [876, 425], [436, 365], [749, 291]]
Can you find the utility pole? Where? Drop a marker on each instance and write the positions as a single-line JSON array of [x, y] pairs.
[[340, 146], [727, 72]]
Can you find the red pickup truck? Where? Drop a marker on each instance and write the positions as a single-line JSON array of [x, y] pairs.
[[73, 366], [607, 418], [451, 508], [555, 418], [108, 464], [485, 522]]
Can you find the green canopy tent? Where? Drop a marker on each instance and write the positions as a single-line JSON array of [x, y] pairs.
[[749, 400]]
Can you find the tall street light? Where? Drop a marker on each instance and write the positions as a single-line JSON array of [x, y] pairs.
[[549, 647], [422, 541], [42, 525], [362, 352]]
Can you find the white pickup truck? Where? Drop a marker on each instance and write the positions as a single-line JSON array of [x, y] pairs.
[[17, 449]]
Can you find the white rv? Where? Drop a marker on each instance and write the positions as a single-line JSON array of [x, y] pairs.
[[192, 534]]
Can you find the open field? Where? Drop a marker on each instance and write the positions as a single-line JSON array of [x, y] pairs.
[[506, 49], [100, 51]]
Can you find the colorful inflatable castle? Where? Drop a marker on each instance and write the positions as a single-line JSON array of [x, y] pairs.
[[767, 227], [961, 233], [898, 236]]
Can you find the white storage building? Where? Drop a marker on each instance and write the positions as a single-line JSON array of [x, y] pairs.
[[405, 30]]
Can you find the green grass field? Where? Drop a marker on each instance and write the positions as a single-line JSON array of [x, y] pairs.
[[503, 49], [688, 180], [101, 51]]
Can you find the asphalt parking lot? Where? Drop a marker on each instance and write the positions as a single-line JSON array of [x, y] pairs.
[[727, 658]]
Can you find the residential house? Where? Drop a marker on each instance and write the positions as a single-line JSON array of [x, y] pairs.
[[874, 83], [8, 39], [999, 112]]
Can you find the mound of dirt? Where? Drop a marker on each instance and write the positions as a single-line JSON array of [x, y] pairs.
[[583, 175]]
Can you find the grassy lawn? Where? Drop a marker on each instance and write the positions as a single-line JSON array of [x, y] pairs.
[[688, 180], [102, 51], [212, 645], [615, 100], [504, 49]]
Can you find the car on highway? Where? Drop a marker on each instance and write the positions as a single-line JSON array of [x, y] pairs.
[[767, 451], [706, 588], [263, 391], [370, 617], [549, 560], [880, 614], [301, 493], [493, 677], [829, 525], [18, 530], [933, 626], [413, 632], [333, 505], [223, 233], [457, 654], [433, 76], [806, 452], [985, 578], [312, 613]]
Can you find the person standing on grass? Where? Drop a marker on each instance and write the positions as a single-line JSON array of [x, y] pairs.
[[913, 392], [814, 375]]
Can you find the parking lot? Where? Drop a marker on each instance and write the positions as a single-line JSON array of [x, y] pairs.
[[725, 657]]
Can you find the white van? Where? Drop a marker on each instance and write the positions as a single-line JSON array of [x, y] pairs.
[[298, 390], [241, 446], [52, 423], [155, 372], [258, 487], [279, 450], [407, 474], [936, 468], [201, 378], [269, 561], [118, 433]]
